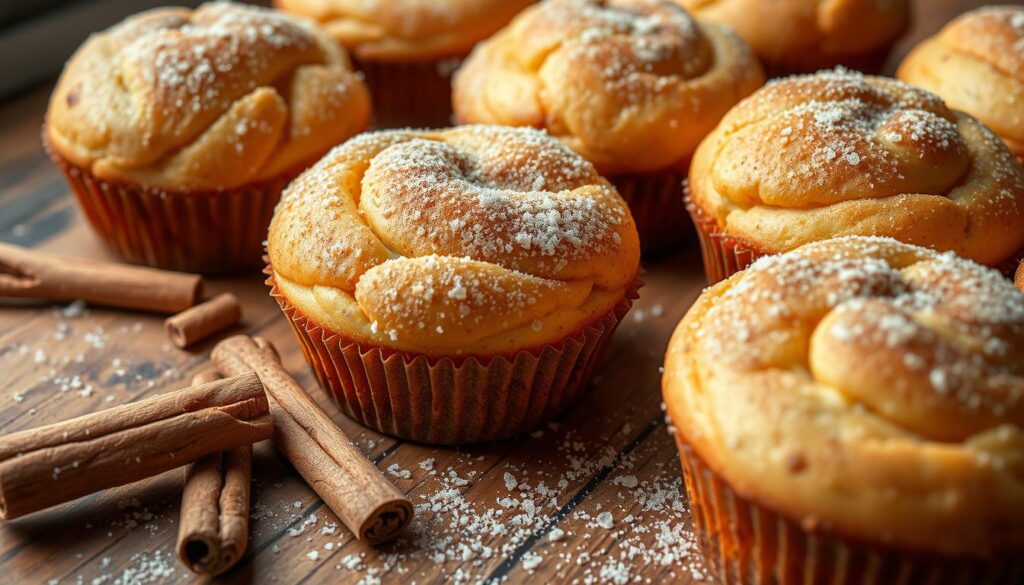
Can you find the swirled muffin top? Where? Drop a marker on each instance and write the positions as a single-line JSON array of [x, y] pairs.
[[632, 85], [804, 35], [407, 30], [209, 99], [976, 63], [866, 386], [839, 153], [476, 239]]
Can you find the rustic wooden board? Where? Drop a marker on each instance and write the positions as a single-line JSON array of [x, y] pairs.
[[596, 497]]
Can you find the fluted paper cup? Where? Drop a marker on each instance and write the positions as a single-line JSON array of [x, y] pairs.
[[746, 543], [417, 95], [219, 232], [723, 254], [452, 400], [656, 203]]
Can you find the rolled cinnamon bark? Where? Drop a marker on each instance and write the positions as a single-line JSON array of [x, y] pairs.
[[57, 463], [365, 501], [214, 526], [203, 320], [1019, 279], [29, 273]]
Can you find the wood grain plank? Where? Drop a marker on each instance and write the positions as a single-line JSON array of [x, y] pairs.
[[587, 462]]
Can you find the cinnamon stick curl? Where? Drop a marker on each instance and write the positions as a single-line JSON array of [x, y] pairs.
[[30, 273], [352, 487], [214, 525], [203, 320], [49, 465]]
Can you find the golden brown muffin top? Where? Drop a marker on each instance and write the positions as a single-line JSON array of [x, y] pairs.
[[976, 63], [481, 239], [809, 34], [407, 30], [208, 99], [811, 157], [632, 85], [863, 386]]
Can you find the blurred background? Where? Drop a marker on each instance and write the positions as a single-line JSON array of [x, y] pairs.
[[37, 36]]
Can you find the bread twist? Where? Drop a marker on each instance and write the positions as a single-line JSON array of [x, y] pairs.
[[809, 34], [977, 65], [407, 29], [632, 85], [838, 153], [866, 386], [481, 239], [208, 99]]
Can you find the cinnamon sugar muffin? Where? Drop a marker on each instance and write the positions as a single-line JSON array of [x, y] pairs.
[[850, 412], [408, 48], [453, 286], [800, 36], [976, 64], [632, 85], [839, 153], [177, 129]]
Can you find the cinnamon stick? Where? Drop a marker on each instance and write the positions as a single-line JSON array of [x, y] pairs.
[[29, 273], [56, 463], [214, 525], [1019, 279], [365, 501], [203, 320]]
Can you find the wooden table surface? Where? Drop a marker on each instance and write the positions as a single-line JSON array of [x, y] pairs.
[[596, 497]]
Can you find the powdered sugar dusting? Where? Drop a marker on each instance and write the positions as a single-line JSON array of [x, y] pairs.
[[507, 196], [456, 228], [954, 329]]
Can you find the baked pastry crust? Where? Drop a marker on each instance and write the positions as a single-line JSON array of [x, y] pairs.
[[837, 153], [805, 35], [864, 387], [476, 240], [632, 85], [407, 30], [210, 99], [976, 63]]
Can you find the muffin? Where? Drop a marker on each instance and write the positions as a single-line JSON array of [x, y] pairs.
[[177, 129], [849, 412], [976, 64], [801, 36], [453, 286], [838, 153], [408, 48], [632, 85]]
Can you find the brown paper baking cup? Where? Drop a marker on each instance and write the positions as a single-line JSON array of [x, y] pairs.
[[415, 95], [204, 232], [748, 544], [723, 254], [656, 203], [452, 400]]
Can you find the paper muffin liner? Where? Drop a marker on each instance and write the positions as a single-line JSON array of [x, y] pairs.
[[656, 203], [748, 544], [218, 232], [724, 255], [417, 95], [452, 400]]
